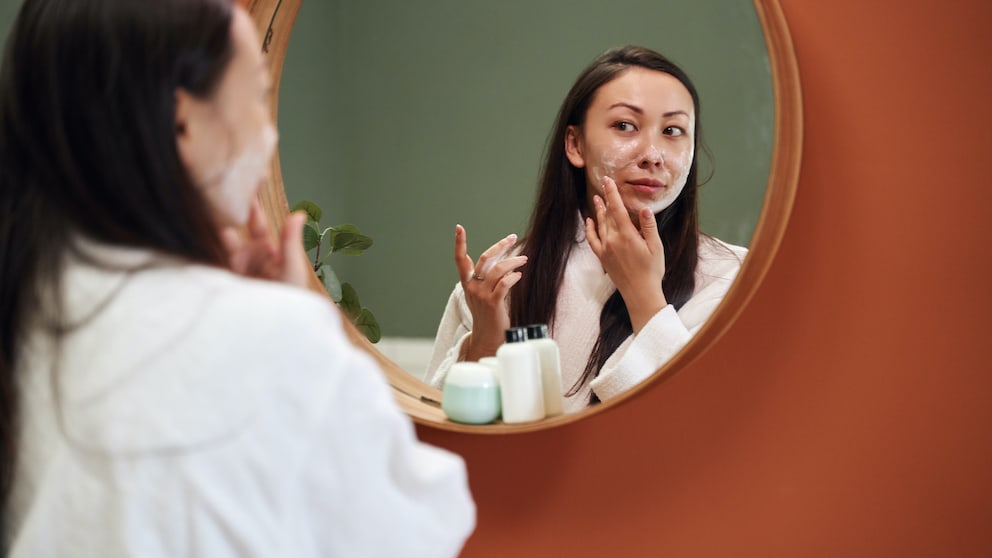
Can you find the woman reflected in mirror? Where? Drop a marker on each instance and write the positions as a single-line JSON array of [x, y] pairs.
[[613, 258], [167, 388]]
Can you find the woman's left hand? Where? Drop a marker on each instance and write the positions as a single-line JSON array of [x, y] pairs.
[[634, 259], [253, 252]]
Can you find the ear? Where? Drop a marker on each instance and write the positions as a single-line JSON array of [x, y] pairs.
[[186, 129], [573, 147], [195, 141]]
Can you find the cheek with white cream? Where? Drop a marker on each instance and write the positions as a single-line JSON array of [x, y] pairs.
[[608, 163], [677, 165], [620, 161], [231, 189]]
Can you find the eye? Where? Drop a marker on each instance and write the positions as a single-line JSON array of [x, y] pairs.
[[624, 126], [673, 131]]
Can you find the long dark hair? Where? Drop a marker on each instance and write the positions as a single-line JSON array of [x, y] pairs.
[[562, 196], [88, 147]]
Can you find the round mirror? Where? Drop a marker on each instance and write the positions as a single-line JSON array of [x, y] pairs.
[[405, 119]]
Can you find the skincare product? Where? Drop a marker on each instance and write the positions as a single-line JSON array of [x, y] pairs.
[[494, 363], [471, 393], [548, 354], [491, 361], [520, 378]]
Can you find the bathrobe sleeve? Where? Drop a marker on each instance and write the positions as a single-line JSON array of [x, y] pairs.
[[211, 415], [367, 487], [641, 355], [387, 494], [456, 324]]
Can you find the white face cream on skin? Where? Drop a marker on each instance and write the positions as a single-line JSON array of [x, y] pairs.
[[232, 188]]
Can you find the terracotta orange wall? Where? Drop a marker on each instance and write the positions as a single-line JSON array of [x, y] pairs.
[[848, 412]]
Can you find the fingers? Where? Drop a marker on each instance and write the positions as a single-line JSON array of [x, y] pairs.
[[649, 230], [294, 259], [494, 254], [609, 209], [601, 225], [260, 238], [502, 287], [489, 260], [258, 224], [614, 203], [504, 266], [463, 263], [232, 242], [489, 280]]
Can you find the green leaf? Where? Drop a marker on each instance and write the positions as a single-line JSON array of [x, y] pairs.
[[332, 232], [314, 213], [368, 325], [331, 283], [350, 243], [349, 240], [311, 238], [347, 228], [349, 301]]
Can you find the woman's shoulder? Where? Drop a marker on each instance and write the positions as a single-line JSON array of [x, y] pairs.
[[207, 341], [719, 259], [219, 308], [712, 247], [142, 285], [245, 301]]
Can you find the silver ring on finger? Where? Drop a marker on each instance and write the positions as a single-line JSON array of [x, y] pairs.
[[478, 276]]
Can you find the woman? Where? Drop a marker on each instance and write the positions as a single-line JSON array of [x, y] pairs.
[[613, 258], [153, 402]]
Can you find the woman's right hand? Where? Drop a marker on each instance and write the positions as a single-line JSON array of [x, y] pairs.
[[254, 252], [487, 284]]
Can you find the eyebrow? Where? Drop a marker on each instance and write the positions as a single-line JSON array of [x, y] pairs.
[[639, 110]]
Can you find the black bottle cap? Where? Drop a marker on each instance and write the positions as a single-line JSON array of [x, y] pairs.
[[516, 334], [537, 331]]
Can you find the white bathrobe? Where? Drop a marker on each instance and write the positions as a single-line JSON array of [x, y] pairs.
[[584, 290], [199, 413]]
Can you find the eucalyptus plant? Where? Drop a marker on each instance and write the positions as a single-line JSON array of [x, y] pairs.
[[340, 239]]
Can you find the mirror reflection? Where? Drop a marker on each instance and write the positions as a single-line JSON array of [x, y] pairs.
[[407, 119], [613, 260]]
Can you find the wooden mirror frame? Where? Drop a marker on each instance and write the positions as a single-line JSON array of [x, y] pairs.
[[275, 19]]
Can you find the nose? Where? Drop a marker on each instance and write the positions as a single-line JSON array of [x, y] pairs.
[[651, 157]]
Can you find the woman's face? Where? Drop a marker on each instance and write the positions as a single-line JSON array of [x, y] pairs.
[[639, 131], [227, 140]]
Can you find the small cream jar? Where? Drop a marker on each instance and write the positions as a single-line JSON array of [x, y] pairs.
[[471, 393]]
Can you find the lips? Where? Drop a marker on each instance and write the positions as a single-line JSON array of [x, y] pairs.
[[646, 185]]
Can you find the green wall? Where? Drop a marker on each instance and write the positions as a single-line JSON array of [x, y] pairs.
[[406, 118], [8, 9]]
